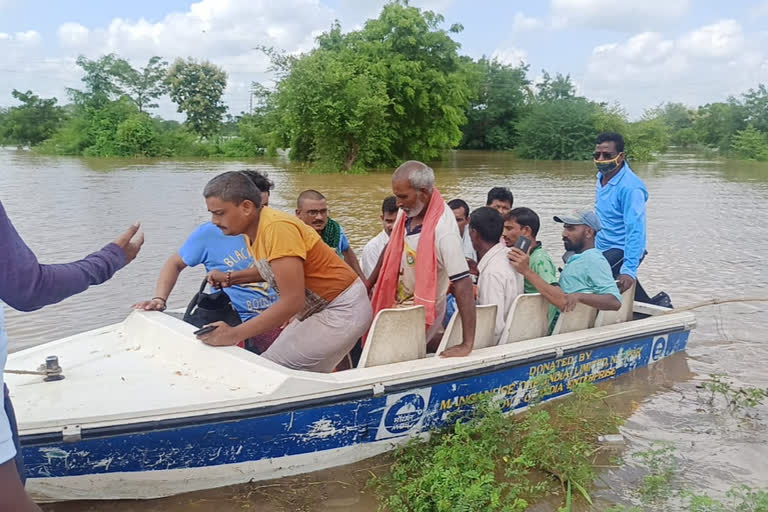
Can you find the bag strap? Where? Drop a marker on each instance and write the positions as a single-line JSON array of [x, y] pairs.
[[195, 298]]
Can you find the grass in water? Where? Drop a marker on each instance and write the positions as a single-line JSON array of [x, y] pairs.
[[736, 399], [488, 461]]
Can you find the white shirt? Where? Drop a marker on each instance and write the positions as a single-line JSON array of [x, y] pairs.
[[451, 264], [469, 250], [498, 284], [372, 252]]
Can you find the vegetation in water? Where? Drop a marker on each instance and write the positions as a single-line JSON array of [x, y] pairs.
[[395, 89], [489, 461], [739, 400]]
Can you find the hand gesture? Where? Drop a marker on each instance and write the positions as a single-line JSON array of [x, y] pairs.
[[129, 244], [519, 260], [625, 282], [222, 336], [217, 279]]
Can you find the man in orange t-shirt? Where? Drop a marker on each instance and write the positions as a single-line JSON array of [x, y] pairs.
[[319, 289]]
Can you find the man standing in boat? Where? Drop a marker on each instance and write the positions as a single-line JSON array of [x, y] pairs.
[[327, 299], [620, 198], [27, 285], [425, 256], [586, 277]]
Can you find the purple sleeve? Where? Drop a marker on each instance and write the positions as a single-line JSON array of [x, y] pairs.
[[27, 285]]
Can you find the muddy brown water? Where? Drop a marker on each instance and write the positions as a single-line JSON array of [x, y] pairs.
[[707, 237]]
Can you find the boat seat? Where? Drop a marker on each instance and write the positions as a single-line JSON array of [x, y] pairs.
[[485, 325], [528, 319], [623, 314], [396, 335], [582, 317]]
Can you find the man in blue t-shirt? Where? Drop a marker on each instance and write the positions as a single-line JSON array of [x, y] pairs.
[[207, 245], [587, 276]]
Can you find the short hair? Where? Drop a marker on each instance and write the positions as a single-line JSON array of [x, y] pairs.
[[309, 194], [488, 223], [500, 194], [525, 217], [418, 174], [614, 137], [389, 205], [259, 179], [233, 187], [455, 204]]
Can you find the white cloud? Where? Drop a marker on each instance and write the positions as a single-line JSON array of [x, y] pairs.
[[73, 35], [706, 64], [521, 23], [617, 15], [510, 55]]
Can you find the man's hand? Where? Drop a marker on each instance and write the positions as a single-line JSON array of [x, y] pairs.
[[217, 279], [625, 282], [473, 267], [222, 336], [457, 351], [519, 260], [128, 244], [156, 304], [571, 299]]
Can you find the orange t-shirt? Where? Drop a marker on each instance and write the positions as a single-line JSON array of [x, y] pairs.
[[281, 235]]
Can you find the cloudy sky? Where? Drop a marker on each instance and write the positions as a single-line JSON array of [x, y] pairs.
[[636, 52]]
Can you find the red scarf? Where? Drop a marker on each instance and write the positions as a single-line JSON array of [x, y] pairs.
[[426, 263]]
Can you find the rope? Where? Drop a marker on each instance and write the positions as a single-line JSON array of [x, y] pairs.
[[712, 302], [24, 372]]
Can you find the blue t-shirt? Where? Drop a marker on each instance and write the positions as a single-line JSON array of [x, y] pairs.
[[588, 272], [343, 243], [217, 251]]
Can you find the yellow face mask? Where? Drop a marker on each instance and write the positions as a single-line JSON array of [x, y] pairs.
[[606, 166]]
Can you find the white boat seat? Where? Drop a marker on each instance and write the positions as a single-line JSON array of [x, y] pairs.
[[485, 325], [582, 317], [623, 314], [396, 335], [528, 319]]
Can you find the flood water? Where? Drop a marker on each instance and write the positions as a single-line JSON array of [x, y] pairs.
[[707, 237]]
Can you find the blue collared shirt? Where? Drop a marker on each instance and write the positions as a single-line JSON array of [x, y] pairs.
[[620, 205]]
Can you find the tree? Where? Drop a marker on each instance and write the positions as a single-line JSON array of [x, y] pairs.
[[499, 99], [197, 88], [136, 136], [558, 88], [35, 120], [564, 129], [394, 90], [147, 84], [102, 79], [756, 106], [750, 144], [716, 123]]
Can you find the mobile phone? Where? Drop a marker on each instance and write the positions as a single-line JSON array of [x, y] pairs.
[[205, 330], [523, 243]]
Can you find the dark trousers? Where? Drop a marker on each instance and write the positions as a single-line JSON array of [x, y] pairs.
[[19, 459], [615, 258]]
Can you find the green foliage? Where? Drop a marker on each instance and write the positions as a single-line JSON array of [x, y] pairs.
[[716, 123], [662, 467], [394, 90], [564, 129], [750, 144], [736, 399], [197, 88], [499, 100], [35, 120], [102, 80], [553, 89], [756, 107], [137, 136], [145, 85], [488, 461]]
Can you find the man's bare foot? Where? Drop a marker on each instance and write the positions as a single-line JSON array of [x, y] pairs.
[[457, 351]]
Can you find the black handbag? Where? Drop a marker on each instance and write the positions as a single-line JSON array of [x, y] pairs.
[[206, 308]]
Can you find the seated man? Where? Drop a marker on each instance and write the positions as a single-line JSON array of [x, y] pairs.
[[376, 245], [424, 257], [461, 212], [500, 199], [498, 282], [207, 245], [586, 277], [524, 221], [328, 300], [312, 208]]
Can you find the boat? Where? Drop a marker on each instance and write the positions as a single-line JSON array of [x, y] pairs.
[[145, 410]]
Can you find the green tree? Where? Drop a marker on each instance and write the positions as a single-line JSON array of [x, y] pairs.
[[30, 123], [394, 90], [102, 79], [563, 129], [136, 136], [145, 85], [499, 99], [717, 123], [197, 88], [750, 144], [558, 88], [756, 107]]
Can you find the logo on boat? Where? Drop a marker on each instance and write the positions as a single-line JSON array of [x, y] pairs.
[[658, 348], [403, 413]]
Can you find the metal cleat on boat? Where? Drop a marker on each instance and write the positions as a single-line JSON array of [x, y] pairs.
[[51, 369]]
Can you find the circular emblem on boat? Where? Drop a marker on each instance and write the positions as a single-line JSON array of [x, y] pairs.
[[404, 414], [659, 346]]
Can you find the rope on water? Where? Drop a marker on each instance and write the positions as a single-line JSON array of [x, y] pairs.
[[715, 301]]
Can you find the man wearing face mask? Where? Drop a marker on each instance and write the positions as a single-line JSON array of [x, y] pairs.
[[620, 198]]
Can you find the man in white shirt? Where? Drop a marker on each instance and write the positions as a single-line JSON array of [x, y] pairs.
[[461, 212], [373, 249], [498, 282]]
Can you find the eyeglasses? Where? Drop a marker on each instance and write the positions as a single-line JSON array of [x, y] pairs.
[[315, 213], [605, 155]]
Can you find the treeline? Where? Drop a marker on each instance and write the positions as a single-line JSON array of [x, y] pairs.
[[396, 89]]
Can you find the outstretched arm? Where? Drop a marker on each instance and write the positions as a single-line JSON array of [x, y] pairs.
[[169, 274]]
